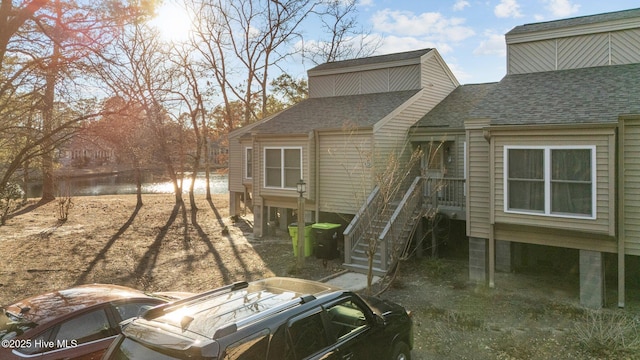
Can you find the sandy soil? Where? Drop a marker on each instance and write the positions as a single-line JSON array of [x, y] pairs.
[[161, 247]]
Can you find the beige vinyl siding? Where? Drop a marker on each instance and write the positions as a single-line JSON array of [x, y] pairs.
[[344, 171], [322, 86], [603, 139], [258, 175], [348, 84], [625, 47], [478, 185], [366, 82], [531, 57], [390, 134], [555, 237], [235, 165], [583, 51], [436, 78], [375, 81], [630, 197], [404, 78], [607, 48]]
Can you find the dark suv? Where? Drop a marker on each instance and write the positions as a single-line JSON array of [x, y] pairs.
[[274, 318]]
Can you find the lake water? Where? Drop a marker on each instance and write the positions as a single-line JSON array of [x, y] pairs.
[[125, 184]]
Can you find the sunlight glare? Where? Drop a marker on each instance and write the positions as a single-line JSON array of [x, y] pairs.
[[173, 22]]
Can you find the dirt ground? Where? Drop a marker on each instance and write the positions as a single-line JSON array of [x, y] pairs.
[[161, 247]]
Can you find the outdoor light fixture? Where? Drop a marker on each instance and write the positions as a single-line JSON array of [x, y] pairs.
[[301, 186]]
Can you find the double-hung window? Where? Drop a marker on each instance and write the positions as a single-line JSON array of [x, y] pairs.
[[550, 180], [248, 163], [283, 167]]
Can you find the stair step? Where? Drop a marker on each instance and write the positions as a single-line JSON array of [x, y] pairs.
[[363, 269]]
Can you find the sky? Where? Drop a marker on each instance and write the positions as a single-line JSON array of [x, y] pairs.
[[468, 34]]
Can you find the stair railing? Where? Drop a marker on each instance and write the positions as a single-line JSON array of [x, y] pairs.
[[401, 217], [360, 223]]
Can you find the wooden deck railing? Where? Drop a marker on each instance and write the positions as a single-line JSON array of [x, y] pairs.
[[449, 192]]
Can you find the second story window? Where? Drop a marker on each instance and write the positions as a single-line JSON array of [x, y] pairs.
[[551, 180], [283, 167]]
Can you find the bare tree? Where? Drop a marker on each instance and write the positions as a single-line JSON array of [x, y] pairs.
[[43, 48], [242, 41], [139, 70], [192, 96], [343, 37]]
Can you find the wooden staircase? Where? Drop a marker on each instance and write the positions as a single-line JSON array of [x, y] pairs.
[[386, 228]]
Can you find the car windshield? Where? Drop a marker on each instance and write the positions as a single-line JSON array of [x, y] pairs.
[[12, 325], [130, 350]]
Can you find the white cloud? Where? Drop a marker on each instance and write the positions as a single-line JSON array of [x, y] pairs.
[[461, 75], [460, 5], [430, 24], [365, 3], [507, 8], [494, 44], [561, 8], [393, 44]]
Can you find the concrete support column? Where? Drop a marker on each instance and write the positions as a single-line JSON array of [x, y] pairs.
[[285, 219], [503, 256], [259, 221], [478, 260], [591, 279], [235, 201]]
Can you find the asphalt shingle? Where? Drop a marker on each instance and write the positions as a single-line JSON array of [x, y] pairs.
[[371, 60], [334, 113], [589, 95], [456, 107], [577, 21]]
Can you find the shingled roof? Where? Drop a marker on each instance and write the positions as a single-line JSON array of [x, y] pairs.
[[372, 60], [456, 107], [334, 113], [577, 21], [589, 95]]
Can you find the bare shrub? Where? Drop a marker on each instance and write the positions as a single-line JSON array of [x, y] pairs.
[[65, 204], [604, 333]]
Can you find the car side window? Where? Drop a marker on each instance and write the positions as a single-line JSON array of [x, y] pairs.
[[84, 328], [253, 347], [308, 335], [39, 343], [346, 317], [130, 310]]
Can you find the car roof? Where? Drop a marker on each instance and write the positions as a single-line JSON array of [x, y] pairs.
[[55, 304], [222, 311]]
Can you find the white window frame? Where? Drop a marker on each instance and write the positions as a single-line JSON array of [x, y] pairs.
[[245, 162], [282, 174], [547, 180]]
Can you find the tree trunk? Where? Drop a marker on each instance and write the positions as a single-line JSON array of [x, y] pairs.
[[48, 181]]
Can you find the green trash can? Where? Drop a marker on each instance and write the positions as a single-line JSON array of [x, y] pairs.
[[308, 239], [326, 237]]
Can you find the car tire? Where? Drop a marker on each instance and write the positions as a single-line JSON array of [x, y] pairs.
[[401, 351]]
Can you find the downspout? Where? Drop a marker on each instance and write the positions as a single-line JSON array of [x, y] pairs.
[[316, 179], [492, 240], [620, 134]]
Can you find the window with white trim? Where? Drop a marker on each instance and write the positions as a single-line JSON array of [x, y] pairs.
[[282, 167], [248, 163], [550, 180]]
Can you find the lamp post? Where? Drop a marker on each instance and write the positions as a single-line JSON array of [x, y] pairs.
[[301, 187]]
